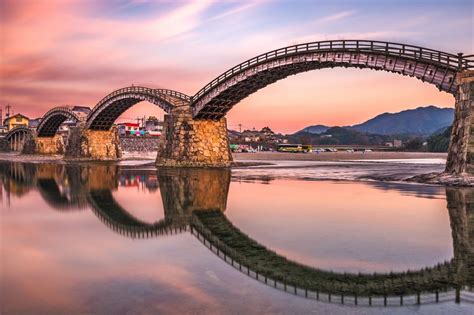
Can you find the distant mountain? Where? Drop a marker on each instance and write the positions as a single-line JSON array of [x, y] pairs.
[[440, 130], [316, 129], [420, 121], [339, 136]]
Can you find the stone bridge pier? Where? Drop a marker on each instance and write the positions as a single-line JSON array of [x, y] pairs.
[[188, 142], [95, 145], [49, 145], [461, 147], [44, 145], [185, 142]]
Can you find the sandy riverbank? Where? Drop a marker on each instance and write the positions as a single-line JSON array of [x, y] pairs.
[[336, 156], [260, 156], [382, 166], [16, 157]]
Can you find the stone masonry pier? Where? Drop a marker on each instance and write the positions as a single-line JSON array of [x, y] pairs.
[[461, 147], [44, 145], [50, 145], [187, 142], [98, 145]]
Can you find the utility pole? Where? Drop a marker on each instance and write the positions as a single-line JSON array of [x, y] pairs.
[[240, 128], [7, 109]]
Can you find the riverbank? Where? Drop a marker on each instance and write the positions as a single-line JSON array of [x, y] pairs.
[[31, 158], [337, 156], [267, 156], [414, 167]]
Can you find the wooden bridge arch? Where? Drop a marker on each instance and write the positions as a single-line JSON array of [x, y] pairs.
[[439, 68], [17, 137], [49, 125], [105, 113]]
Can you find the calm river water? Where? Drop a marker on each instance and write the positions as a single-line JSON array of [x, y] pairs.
[[104, 239]]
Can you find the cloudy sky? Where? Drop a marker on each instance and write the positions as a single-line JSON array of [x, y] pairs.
[[58, 52]]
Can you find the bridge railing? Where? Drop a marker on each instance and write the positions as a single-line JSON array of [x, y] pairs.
[[176, 94], [416, 53], [65, 108], [140, 89]]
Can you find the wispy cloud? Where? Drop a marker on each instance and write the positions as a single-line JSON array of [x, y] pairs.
[[336, 17], [237, 9], [54, 51], [180, 20]]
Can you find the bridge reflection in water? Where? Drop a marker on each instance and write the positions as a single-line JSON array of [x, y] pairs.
[[195, 200]]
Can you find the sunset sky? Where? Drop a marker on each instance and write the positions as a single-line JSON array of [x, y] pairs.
[[58, 52]]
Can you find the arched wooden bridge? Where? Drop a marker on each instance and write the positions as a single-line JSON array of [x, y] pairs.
[[431, 66], [105, 113], [51, 121], [17, 136], [196, 130], [222, 93]]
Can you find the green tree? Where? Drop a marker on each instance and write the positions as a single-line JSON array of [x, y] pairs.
[[415, 144], [439, 142]]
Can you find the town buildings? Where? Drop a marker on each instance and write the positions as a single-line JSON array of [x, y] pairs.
[[248, 140], [129, 129], [15, 121]]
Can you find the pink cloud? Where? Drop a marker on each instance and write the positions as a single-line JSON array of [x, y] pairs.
[[70, 52]]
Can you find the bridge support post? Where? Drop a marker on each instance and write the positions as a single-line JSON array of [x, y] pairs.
[[187, 142], [50, 145], [43, 145], [98, 145], [461, 147]]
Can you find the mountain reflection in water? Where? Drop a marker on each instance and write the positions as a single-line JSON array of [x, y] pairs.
[[194, 201]]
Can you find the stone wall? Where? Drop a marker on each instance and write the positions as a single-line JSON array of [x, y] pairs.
[[193, 143], [96, 145], [49, 145], [139, 144], [461, 147]]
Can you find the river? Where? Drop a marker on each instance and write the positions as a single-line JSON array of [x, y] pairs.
[[108, 239]]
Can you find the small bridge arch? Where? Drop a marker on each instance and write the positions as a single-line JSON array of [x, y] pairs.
[[435, 67], [108, 109], [17, 136], [49, 125]]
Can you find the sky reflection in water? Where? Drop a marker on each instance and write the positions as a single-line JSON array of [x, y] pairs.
[[64, 259]]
